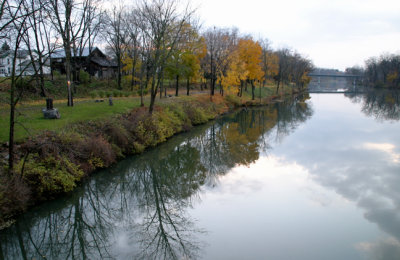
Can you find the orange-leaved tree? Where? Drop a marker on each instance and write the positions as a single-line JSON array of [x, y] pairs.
[[250, 53]]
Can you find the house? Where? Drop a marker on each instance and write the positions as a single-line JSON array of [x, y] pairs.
[[91, 60], [5, 63], [24, 65]]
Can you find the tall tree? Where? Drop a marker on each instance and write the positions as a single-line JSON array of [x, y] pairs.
[[270, 61], [220, 45], [70, 20], [250, 53], [116, 37], [161, 25], [15, 16]]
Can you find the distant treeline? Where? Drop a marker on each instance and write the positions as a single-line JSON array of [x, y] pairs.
[[382, 71]]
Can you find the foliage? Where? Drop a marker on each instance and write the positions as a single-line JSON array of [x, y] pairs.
[[84, 77], [383, 71], [49, 176]]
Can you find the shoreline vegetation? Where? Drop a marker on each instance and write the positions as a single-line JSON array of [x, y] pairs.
[[53, 162], [151, 48]]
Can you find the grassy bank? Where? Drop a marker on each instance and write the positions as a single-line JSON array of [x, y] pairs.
[[57, 154]]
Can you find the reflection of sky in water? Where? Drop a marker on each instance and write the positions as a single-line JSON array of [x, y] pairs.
[[328, 191]]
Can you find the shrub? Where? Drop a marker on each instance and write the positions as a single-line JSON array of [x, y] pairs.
[[195, 114], [115, 93], [84, 77], [145, 91], [101, 93], [14, 195], [117, 134], [93, 94], [49, 176], [233, 99]]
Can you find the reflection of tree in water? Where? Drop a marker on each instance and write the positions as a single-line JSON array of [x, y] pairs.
[[77, 231], [382, 104], [291, 115], [147, 196], [164, 190]]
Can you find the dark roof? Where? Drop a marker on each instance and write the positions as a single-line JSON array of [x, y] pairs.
[[85, 53], [103, 62]]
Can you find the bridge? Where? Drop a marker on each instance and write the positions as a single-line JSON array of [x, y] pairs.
[[336, 82]]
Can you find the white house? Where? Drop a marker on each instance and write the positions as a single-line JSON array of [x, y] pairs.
[[24, 65], [5, 63]]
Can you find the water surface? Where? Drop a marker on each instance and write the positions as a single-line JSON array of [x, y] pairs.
[[312, 178]]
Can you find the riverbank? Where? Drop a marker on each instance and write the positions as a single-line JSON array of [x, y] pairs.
[[53, 163]]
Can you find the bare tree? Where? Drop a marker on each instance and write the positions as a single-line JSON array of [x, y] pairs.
[[133, 43], [161, 26], [70, 20], [116, 36], [16, 19]]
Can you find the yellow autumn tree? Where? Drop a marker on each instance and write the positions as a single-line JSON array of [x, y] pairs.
[[236, 74], [250, 53]]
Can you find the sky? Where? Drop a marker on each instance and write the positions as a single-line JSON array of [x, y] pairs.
[[333, 34]]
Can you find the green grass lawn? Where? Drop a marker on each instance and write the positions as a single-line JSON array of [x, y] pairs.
[[30, 120]]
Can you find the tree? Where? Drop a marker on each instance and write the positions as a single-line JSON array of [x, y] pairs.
[[220, 46], [70, 20], [284, 66], [38, 45], [16, 18], [250, 53], [185, 60], [161, 25], [133, 44], [116, 36], [270, 61]]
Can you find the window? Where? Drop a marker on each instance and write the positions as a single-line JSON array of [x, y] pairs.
[[9, 71], [8, 61]]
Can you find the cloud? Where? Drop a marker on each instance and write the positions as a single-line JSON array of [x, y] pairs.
[[387, 148], [385, 249], [332, 33]]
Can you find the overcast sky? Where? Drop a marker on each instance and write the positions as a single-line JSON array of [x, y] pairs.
[[332, 33]]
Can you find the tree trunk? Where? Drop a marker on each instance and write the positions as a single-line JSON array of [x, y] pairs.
[[253, 88], [133, 82], [277, 87], [68, 72], [187, 86], [12, 124], [212, 86], [119, 86], [161, 87], [177, 85]]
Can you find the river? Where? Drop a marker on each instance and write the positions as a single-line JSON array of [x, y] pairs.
[[313, 178]]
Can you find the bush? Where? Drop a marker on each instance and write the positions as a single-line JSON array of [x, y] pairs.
[[101, 93], [233, 99], [14, 195], [93, 94], [84, 77], [49, 176], [145, 91]]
